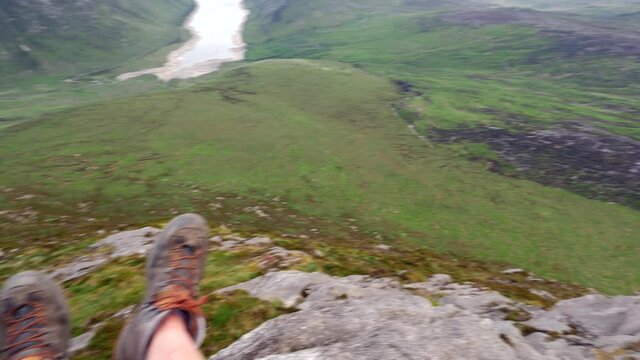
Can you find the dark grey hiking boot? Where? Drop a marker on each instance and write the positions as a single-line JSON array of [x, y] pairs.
[[174, 269], [35, 318]]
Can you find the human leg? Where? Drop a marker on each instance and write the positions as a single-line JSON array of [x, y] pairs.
[[169, 321], [172, 341]]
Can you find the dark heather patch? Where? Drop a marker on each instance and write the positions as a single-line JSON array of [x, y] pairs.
[[579, 158]]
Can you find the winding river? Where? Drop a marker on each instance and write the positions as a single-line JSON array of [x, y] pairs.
[[216, 27]]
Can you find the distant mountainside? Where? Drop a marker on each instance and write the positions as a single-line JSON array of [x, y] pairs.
[[582, 6], [67, 37], [473, 72]]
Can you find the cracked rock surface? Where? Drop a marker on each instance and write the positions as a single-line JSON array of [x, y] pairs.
[[358, 317]]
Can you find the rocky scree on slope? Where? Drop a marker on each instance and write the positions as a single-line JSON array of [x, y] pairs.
[[360, 317]]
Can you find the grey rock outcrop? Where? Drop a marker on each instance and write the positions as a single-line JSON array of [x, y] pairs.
[[259, 241], [127, 243], [358, 317], [78, 268], [302, 290], [483, 302], [281, 258], [399, 326], [234, 242], [608, 323], [286, 286]]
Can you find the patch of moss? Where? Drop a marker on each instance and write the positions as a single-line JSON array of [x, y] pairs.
[[104, 343], [231, 316], [103, 293]]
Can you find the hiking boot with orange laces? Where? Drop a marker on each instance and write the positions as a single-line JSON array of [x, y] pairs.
[[174, 269], [35, 318]]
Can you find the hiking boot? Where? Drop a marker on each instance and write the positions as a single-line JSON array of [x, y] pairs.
[[35, 318], [174, 269]]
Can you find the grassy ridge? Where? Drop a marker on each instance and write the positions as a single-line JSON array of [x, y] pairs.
[[333, 151]]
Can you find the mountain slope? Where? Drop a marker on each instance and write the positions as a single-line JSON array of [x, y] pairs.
[[70, 37], [583, 6], [467, 71], [302, 146]]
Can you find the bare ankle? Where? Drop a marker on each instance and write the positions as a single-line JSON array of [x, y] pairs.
[[173, 341]]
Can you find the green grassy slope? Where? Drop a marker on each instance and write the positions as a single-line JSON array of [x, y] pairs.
[[69, 38], [316, 139], [477, 67], [491, 74]]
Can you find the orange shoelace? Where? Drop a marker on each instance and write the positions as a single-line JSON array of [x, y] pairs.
[[180, 295], [37, 321], [175, 298]]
